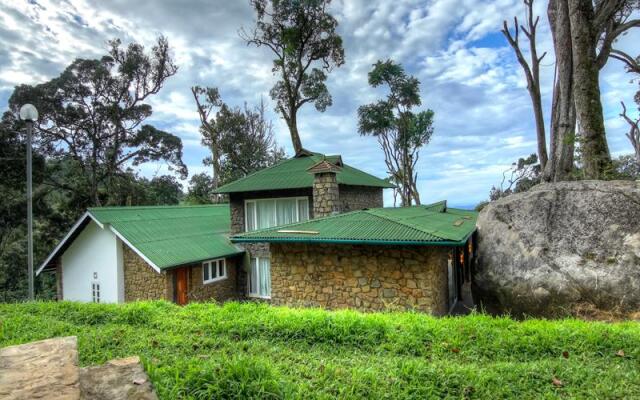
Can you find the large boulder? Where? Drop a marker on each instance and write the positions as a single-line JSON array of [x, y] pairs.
[[561, 246]]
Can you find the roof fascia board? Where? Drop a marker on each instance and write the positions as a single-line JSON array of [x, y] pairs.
[[75, 227], [447, 243], [132, 247]]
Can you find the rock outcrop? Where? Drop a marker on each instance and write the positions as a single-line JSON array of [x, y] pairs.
[[48, 369], [560, 246]]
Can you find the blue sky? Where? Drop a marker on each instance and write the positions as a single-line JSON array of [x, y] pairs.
[[469, 76]]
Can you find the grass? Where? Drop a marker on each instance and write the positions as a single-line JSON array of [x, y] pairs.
[[205, 351]]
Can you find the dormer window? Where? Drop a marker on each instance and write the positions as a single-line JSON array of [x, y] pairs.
[[267, 213]]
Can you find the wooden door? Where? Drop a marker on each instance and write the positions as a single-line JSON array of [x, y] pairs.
[[182, 297]]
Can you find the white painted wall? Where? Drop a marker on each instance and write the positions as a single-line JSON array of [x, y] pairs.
[[95, 250]]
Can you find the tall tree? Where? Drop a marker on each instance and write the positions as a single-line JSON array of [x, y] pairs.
[[94, 114], [248, 144], [584, 33], [302, 36], [400, 132], [208, 101], [633, 67], [531, 71]]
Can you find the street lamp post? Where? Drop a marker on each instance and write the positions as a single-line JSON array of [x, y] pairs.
[[29, 114]]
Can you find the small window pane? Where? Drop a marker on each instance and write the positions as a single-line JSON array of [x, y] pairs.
[[303, 210], [253, 277], [285, 211], [205, 270], [266, 212], [250, 217], [221, 268]]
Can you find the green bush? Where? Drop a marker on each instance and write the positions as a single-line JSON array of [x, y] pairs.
[[249, 350]]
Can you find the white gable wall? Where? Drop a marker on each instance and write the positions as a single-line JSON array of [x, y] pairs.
[[94, 251]]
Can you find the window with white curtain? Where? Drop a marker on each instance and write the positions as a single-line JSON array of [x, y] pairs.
[[266, 213], [260, 277], [214, 270]]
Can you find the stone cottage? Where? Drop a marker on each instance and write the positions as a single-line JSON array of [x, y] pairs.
[[120, 254], [309, 231]]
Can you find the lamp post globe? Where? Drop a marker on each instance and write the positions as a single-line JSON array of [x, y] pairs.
[[28, 112]]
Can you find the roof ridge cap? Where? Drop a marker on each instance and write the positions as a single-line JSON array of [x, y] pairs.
[[158, 206]]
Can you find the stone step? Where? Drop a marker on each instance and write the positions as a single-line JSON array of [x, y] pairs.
[[47, 369], [123, 379]]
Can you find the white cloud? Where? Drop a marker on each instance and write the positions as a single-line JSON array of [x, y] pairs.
[[469, 75]]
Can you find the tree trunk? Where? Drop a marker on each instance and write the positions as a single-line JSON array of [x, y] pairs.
[[597, 159], [563, 114], [292, 122]]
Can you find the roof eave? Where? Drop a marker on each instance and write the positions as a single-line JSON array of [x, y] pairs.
[[446, 243]]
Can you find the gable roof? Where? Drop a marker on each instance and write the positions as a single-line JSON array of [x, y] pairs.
[[433, 224], [164, 236], [292, 174]]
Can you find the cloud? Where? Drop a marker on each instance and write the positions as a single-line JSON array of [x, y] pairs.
[[468, 75]]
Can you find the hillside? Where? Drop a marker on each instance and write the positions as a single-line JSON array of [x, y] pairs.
[[204, 351]]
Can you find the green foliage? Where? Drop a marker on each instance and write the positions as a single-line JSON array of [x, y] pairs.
[[523, 175], [302, 36], [400, 131], [93, 116], [250, 350], [200, 190]]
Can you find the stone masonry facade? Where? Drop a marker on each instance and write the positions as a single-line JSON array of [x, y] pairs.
[[326, 194], [222, 290], [370, 278], [359, 197], [141, 281]]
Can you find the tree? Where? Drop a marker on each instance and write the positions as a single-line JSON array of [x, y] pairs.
[[200, 189], [302, 36], [248, 144], [207, 101], [520, 177], [400, 132], [634, 132], [94, 113], [633, 67], [584, 33], [531, 72]]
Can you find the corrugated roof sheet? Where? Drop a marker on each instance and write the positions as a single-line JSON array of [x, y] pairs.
[[172, 235], [434, 224], [292, 174]]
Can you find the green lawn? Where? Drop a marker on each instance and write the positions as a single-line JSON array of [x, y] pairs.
[[206, 351]]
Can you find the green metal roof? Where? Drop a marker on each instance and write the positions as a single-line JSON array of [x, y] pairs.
[[433, 224], [172, 235], [292, 174]]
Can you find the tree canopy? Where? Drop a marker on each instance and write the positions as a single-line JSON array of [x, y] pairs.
[[302, 36], [93, 115], [400, 131]]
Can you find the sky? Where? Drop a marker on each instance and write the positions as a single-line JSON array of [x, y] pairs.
[[469, 76]]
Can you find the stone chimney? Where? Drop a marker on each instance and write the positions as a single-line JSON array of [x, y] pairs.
[[326, 193]]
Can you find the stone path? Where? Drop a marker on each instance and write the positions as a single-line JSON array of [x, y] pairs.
[[48, 369]]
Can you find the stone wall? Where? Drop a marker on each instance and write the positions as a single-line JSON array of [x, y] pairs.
[[226, 289], [369, 278], [142, 282], [326, 194], [358, 197]]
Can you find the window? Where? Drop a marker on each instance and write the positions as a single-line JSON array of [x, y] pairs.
[[214, 270], [266, 213], [95, 292], [260, 277]]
